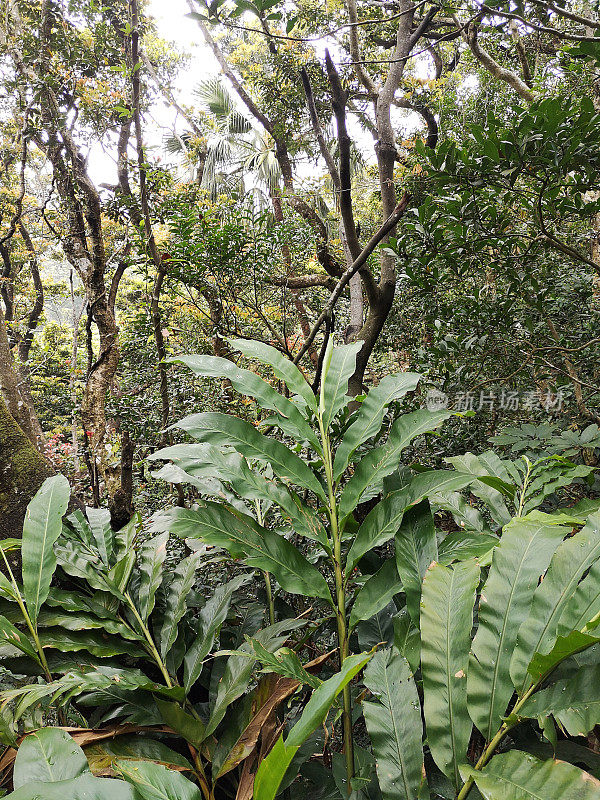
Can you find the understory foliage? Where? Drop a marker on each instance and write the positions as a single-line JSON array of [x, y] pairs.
[[392, 658]]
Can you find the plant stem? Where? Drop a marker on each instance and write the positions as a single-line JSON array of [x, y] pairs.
[[340, 591], [267, 577], [27, 619], [490, 749], [152, 647]]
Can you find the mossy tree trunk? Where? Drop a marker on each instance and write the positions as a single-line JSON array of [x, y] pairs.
[[22, 472]]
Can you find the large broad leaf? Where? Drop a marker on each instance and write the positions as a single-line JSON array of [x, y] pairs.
[[14, 637], [99, 523], [289, 418], [191, 729], [156, 782], [542, 664], [416, 549], [152, 555], [446, 623], [260, 547], [519, 776], [464, 514], [376, 593], [230, 467], [85, 787], [178, 589], [274, 766], [461, 545], [47, 755], [522, 556], [225, 430], [584, 604], [573, 702], [382, 461], [394, 725], [212, 616], [239, 668], [486, 465], [383, 522], [538, 632], [407, 638], [41, 529], [338, 367], [369, 417], [282, 367], [102, 755]]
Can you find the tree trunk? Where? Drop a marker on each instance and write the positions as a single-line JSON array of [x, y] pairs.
[[22, 472]]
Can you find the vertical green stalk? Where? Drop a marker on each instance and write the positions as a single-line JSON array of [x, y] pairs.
[[152, 649], [27, 619], [340, 591], [267, 577]]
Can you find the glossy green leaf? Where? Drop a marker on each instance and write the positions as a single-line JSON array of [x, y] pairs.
[[394, 725], [519, 776], [225, 430], [289, 418], [522, 556], [99, 524], [156, 782], [338, 367], [383, 460], [151, 558], [14, 637], [369, 418], [103, 755], [180, 584], [486, 465], [76, 621], [272, 769], [416, 549], [284, 661], [238, 671], [583, 605], [49, 754], [574, 702], [95, 642], [538, 631], [407, 638], [41, 529], [282, 367], [383, 522], [376, 593], [212, 616], [542, 664], [461, 545], [191, 729], [259, 547], [446, 623], [85, 787]]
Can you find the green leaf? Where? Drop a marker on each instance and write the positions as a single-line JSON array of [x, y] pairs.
[[272, 769], [152, 555], [522, 556], [229, 431], [156, 782], [394, 725], [11, 635], [96, 643], [282, 367], [485, 466], [289, 418], [193, 730], [239, 669], [243, 537], [99, 523], [565, 646], [462, 545], [416, 549], [519, 776], [283, 662], [179, 586], [212, 616], [338, 367], [368, 420], [101, 756], [382, 461], [376, 593], [446, 623], [573, 702], [85, 787], [407, 638], [41, 529], [538, 631], [48, 755], [83, 622], [383, 522]]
